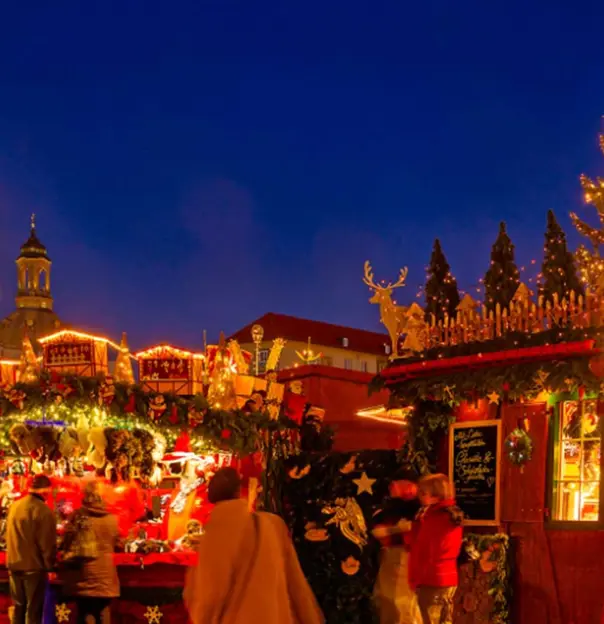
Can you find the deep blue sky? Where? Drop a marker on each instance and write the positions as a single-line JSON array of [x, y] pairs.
[[194, 164]]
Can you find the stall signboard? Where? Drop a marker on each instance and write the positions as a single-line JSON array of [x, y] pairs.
[[165, 369], [474, 467], [69, 353]]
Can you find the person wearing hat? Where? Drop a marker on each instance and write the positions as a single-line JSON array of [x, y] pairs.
[[396, 601], [247, 571], [31, 543]]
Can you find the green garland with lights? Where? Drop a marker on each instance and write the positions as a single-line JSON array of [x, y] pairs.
[[74, 398], [523, 380]]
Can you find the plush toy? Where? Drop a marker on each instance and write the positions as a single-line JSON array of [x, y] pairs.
[[69, 443], [106, 392], [44, 440], [97, 448], [157, 407], [119, 453], [143, 461], [21, 437]]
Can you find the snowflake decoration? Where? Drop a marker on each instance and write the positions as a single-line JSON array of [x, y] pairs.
[[62, 612], [153, 615]]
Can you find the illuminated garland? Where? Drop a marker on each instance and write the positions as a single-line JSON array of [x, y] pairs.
[[74, 400]]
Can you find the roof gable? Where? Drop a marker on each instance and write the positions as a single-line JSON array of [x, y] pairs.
[[321, 334]]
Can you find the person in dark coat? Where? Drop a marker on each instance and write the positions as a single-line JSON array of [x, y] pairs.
[[31, 542], [93, 584]]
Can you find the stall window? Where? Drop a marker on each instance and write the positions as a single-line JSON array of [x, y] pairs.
[[262, 360], [577, 463]]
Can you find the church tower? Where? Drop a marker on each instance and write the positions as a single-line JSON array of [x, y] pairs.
[[34, 315], [33, 273]]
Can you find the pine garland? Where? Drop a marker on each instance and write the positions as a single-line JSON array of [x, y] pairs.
[[236, 431]]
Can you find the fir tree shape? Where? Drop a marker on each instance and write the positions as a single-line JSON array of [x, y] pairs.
[[442, 296], [559, 272], [591, 263], [502, 279]]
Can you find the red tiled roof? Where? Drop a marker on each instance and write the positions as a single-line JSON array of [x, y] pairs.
[[321, 334]]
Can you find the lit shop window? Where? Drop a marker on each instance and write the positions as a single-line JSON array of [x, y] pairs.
[[576, 469]]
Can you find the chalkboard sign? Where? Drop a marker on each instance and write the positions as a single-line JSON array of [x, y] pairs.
[[474, 454]]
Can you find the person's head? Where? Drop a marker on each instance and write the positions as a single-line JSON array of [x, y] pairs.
[[403, 489], [225, 485], [434, 489], [40, 485], [403, 484], [92, 496]]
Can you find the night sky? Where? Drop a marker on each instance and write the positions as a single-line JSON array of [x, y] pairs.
[[195, 164]]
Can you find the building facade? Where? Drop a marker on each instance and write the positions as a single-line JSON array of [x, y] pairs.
[[315, 342]]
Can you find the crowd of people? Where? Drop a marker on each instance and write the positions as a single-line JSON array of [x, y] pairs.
[[247, 571]]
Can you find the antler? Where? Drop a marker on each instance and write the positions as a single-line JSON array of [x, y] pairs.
[[369, 278], [401, 279]]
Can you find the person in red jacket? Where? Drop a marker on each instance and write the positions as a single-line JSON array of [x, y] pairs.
[[435, 545]]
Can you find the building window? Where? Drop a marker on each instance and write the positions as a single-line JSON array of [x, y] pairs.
[[348, 364], [262, 360], [364, 366], [381, 365], [345, 342], [576, 463]]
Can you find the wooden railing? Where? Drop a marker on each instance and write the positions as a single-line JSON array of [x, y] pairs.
[[478, 324]]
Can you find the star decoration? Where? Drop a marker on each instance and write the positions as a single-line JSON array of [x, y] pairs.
[[364, 484], [153, 615], [493, 398], [62, 612], [542, 379]]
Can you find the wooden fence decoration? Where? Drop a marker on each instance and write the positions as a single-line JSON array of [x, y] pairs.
[[474, 323]]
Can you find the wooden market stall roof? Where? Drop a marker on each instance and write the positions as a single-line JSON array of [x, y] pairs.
[[399, 372]]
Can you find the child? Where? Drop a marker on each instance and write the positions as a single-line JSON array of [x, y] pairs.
[[396, 601], [435, 545]]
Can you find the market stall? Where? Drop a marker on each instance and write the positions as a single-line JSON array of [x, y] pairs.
[[151, 447], [505, 395]]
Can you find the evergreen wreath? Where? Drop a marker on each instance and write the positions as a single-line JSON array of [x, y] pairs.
[[519, 447]]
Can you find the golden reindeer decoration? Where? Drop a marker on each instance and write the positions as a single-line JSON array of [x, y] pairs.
[[393, 317]]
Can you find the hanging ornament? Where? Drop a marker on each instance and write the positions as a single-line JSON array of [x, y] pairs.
[[350, 566], [62, 612], [153, 615], [348, 517], [130, 406], [106, 392], [157, 407], [194, 417], [174, 414], [364, 484], [17, 398]]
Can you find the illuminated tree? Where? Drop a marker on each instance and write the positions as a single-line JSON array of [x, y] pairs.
[[591, 263], [502, 279], [442, 296], [558, 270]]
